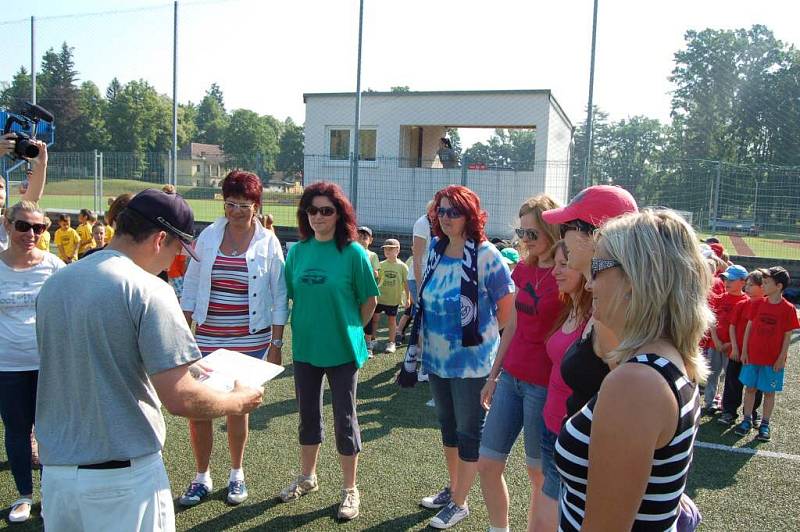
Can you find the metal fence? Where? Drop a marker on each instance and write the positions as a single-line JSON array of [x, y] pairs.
[[753, 210]]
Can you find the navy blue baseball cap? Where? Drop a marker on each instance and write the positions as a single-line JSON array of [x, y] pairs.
[[170, 212]]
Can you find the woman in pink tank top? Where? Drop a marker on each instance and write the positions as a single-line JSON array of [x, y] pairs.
[[567, 330]]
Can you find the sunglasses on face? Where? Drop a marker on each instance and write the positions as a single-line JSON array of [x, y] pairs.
[[234, 205], [451, 212], [23, 227], [601, 265], [324, 211], [530, 234], [577, 225]]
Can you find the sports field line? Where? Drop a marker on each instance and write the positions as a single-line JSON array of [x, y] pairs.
[[747, 450]]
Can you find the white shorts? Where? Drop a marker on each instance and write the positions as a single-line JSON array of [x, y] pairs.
[[132, 498]]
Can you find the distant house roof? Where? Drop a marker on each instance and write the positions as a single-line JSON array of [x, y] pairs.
[[197, 150], [509, 92]]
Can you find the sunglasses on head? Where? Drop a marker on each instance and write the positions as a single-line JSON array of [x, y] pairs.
[[530, 234], [324, 211], [577, 225], [23, 227], [601, 265], [450, 212]]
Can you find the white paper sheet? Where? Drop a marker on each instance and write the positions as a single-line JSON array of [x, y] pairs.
[[221, 368]]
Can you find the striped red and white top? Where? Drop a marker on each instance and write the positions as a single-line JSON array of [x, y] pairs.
[[228, 320]]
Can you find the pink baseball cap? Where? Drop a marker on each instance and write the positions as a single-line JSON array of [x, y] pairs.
[[594, 205]]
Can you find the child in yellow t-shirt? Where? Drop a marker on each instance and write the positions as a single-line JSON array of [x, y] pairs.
[[392, 282], [67, 240], [86, 220], [44, 240]]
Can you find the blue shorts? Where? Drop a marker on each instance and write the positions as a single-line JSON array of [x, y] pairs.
[[552, 479], [516, 406], [762, 378]]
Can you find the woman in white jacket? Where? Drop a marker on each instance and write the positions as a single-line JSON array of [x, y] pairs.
[[236, 293]]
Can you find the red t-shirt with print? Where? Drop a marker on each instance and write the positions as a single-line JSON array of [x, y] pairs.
[[770, 322], [723, 309], [537, 305]]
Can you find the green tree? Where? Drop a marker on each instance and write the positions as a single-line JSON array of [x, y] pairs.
[[60, 95], [114, 88], [252, 141], [290, 156], [140, 121], [18, 91], [187, 123], [90, 123], [212, 121], [400, 88]]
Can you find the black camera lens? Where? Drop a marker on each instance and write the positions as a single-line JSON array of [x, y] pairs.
[[25, 148]]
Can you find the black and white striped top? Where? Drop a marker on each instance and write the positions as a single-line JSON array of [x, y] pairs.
[[660, 505]]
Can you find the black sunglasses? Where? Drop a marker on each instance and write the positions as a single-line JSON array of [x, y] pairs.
[[530, 234], [23, 227], [601, 265], [451, 213], [324, 211], [577, 225]]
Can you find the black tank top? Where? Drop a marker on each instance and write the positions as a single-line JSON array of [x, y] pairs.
[[583, 371]]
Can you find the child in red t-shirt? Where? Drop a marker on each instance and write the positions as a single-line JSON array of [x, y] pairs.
[[740, 315], [717, 353], [766, 345]]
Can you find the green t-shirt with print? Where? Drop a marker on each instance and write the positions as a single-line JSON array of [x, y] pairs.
[[327, 288], [374, 261], [392, 278]]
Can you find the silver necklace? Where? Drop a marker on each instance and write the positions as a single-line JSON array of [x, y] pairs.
[[235, 247]]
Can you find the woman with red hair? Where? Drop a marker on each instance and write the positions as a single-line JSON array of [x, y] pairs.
[[236, 293], [332, 286], [466, 297]]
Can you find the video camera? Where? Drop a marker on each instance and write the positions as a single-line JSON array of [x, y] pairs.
[[28, 121]]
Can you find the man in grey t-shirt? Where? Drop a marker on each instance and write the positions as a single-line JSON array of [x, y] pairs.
[[114, 345]]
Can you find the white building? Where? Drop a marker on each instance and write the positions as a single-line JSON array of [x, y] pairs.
[[399, 171]]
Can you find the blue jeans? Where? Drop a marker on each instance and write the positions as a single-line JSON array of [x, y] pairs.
[[461, 416], [18, 409], [552, 479], [516, 405]]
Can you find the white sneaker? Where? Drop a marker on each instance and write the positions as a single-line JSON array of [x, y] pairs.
[[449, 516], [300, 486], [390, 347], [20, 510], [431, 403], [422, 377]]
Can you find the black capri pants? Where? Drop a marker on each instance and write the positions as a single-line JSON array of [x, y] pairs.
[[308, 387]]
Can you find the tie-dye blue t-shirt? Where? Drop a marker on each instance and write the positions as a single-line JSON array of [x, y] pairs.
[[442, 352]]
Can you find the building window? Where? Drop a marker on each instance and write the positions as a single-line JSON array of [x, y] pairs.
[[340, 144], [367, 141]]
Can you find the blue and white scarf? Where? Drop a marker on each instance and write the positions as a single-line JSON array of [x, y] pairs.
[[470, 332]]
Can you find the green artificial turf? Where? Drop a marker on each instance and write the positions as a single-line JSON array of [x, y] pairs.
[[402, 462]]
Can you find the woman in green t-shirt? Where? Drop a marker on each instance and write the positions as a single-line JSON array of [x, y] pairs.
[[332, 287]]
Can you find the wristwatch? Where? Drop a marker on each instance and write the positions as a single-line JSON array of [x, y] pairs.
[[277, 342]]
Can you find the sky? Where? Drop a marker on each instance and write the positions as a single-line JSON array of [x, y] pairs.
[[265, 54]]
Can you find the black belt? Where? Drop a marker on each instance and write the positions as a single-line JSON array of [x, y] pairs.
[[111, 464]]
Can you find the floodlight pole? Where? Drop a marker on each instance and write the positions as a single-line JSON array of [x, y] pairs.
[[174, 165], [33, 60], [590, 111], [354, 179]]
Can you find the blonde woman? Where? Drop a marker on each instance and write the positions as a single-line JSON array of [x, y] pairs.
[[636, 482], [517, 386]]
